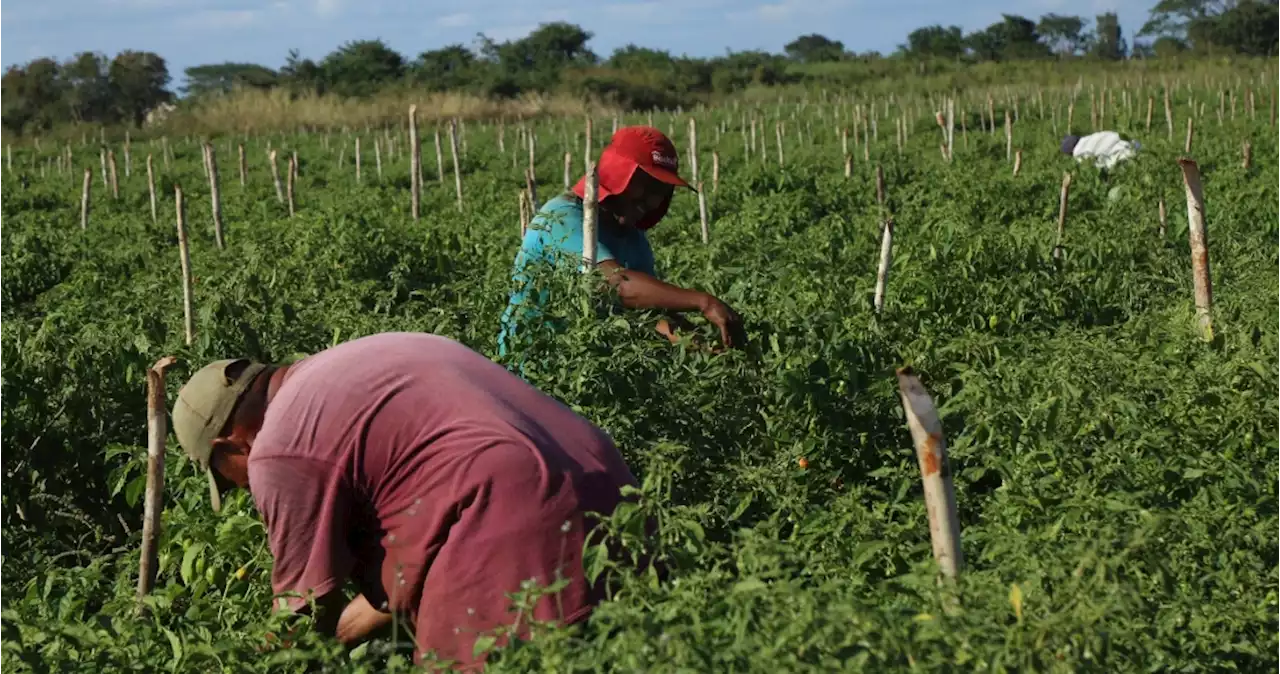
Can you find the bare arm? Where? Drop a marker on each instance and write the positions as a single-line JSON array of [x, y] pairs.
[[639, 290]]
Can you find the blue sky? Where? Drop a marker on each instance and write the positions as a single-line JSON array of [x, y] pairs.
[[193, 32]]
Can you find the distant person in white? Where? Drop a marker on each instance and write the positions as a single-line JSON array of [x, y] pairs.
[[1106, 148]]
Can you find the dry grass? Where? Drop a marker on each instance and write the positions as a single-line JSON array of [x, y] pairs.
[[276, 110]]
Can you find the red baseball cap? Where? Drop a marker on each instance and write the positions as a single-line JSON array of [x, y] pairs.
[[637, 147]]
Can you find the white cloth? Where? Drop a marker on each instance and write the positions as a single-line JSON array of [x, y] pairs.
[[1105, 147]]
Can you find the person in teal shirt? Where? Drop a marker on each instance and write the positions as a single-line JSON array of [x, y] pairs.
[[637, 177]]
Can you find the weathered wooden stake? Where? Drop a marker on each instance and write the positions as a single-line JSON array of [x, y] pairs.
[[715, 171], [151, 188], [1246, 155], [531, 184], [586, 143], [1062, 214], [153, 501], [215, 197], [702, 214], [359, 178], [935, 471], [568, 169], [128, 158], [415, 162], [453, 150], [290, 178], [886, 259], [111, 165], [184, 256], [439, 158], [1190, 135], [1008, 137], [1163, 220], [1168, 113], [240, 161], [590, 217], [1017, 162], [377, 157], [84, 199], [275, 176], [1199, 247]]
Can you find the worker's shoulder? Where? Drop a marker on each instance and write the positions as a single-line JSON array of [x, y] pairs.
[[565, 208], [365, 356]]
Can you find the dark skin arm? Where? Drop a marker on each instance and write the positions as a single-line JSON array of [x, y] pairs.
[[639, 290]]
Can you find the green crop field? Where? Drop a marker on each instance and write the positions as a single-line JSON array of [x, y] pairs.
[[1115, 474]]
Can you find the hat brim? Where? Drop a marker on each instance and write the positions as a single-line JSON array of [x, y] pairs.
[[664, 176]]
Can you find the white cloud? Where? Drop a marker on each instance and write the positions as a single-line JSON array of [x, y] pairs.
[[455, 20], [221, 18], [639, 12], [509, 32], [328, 7]]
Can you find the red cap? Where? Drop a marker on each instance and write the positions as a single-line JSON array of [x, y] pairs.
[[631, 148]]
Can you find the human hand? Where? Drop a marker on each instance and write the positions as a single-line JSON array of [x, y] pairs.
[[721, 315]]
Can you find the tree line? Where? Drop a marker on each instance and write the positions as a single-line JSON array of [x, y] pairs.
[[556, 58]]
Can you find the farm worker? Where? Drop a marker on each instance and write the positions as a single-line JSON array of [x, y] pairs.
[[1106, 148], [421, 470], [638, 173]]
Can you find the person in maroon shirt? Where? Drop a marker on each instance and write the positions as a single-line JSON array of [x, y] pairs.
[[430, 476]]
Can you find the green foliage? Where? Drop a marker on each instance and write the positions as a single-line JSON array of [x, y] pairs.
[[1114, 475]]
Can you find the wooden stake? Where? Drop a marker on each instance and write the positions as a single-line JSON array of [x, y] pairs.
[[1062, 214], [568, 168], [1190, 135], [214, 195], [275, 176], [439, 158], [1008, 137], [293, 172], [184, 256], [935, 471], [693, 148], [590, 217], [715, 171], [453, 150], [359, 178], [586, 144], [848, 166], [128, 161], [244, 169], [777, 129], [1017, 162], [377, 157], [415, 162], [1151, 104], [702, 214], [111, 165], [157, 433], [84, 199], [523, 198], [1199, 247], [1246, 152], [879, 185], [886, 259], [151, 188], [1163, 220], [531, 184], [1168, 113]]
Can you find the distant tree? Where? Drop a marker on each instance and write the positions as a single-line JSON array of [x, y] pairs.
[[33, 96], [632, 57], [537, 60], [1063, 35], [221, 78], [935, 42], [1172, 18], [89, 94], [302, 75], [361, 67], [814, 48], [1108, 43], [450, 67], [138, 82], [1013, 38], [1250, 27], [1167, 47]]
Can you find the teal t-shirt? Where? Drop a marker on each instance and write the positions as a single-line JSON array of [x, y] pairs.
[[554, 240]]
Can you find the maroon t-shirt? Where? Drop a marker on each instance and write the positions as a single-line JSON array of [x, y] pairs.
[[435, 479]]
